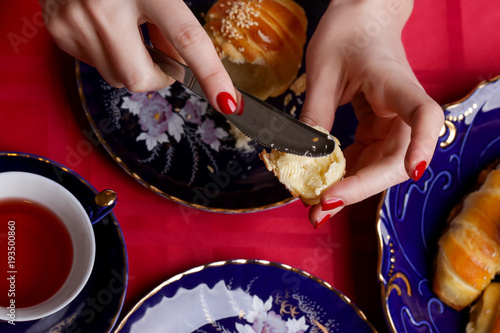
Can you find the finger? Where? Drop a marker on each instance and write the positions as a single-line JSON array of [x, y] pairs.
[[425, 117], [117, 26], [367, 182], [99, 58], [322, 82], [74, 33], [426, 122], [354, 188], [161, 43], [374, 169], [72, 47], [318, 217], [182, 29], [370, 127]]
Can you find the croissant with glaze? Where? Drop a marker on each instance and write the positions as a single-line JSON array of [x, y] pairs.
[[469, 251], [260, 42]]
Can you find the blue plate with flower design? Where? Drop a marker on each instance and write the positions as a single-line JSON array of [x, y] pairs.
[[168, 141], [244, 296], [413, 215], [97, 307]]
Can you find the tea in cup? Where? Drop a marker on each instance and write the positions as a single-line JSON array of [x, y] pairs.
[[47, 246]]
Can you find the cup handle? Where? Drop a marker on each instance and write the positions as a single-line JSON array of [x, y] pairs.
[[104, 203]]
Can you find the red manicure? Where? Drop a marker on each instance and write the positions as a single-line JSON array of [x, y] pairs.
[[331, 204], [419, 170], [321, 221], [241, 107], [226, 103]]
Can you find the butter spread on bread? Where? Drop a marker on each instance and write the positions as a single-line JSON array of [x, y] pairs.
[[306, 177]]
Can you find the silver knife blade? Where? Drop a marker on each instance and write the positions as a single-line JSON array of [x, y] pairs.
[[259, 120]]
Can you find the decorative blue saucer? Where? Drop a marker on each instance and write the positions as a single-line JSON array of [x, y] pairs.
[[168, 141], [413, 214], [244, 296], [97, 307]]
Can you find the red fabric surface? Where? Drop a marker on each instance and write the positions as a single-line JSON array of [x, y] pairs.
[[452, 46]]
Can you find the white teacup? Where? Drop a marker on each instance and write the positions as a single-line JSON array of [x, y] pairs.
[[46, 192]]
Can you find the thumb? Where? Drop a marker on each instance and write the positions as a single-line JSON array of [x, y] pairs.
[[321, 90]]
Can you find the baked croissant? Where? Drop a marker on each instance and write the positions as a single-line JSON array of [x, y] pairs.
[[306, 177], [485, 314], [260, 42], [469, 250]]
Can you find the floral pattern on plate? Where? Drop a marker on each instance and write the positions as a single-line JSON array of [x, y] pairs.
[[413, 215], [244, 296], [169, 119]]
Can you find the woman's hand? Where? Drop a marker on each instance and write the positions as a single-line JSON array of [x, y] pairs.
[[105, 34], [356, 55]]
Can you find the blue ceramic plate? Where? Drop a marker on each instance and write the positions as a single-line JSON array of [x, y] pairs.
[[413, 214], [169, 142], [244, 296], [97, 307]]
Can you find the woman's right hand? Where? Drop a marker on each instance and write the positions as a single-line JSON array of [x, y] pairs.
[[106, 35]]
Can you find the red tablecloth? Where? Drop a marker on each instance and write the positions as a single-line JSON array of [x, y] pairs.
[[452, 46]]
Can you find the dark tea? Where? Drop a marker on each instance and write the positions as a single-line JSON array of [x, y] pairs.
[[36, 253]]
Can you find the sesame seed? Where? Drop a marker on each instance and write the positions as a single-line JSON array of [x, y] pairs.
[[240, 14]]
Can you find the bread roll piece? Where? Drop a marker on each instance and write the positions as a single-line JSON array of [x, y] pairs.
[[260, 42], [306, 177], [485, 314], [469, 250]]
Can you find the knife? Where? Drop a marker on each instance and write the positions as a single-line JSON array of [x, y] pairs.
[[259, 120]]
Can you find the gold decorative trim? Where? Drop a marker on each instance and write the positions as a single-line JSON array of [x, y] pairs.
[[449, 126], [119, 161], [393, 286], [114, 319], [450, 129], [464, 115], [243, 262]]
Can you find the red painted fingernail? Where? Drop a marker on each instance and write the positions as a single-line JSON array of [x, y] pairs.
[[319, 222], [241, 107], [331, 204], [226, 103], [419, 170]]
